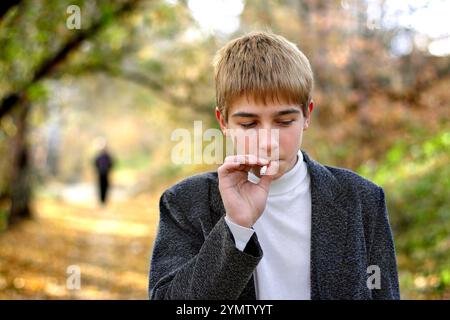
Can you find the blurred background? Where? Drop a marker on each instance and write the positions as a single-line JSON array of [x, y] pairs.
[[122, 75]]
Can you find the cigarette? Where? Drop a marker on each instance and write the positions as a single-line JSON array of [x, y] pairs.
[[263, 170]]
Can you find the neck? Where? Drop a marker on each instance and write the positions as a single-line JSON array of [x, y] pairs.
[[292, 163]]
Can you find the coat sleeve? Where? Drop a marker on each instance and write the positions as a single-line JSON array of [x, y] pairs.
[[382, 254], [185, 265]]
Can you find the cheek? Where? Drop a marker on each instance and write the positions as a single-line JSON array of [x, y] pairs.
[[290, 139]]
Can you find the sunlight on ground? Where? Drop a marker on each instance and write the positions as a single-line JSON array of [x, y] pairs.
[[111, 246]]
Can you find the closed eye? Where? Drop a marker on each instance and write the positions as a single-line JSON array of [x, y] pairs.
[[286, 123], [252, 124], [248, 124]]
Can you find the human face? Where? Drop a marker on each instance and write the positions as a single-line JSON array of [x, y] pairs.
[[288, 119]]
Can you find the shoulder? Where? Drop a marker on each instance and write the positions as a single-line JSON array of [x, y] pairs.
[[187, 202], [342, 181], [191, 195], [348, 176], [365, 196], [193, 186], [366, 190]]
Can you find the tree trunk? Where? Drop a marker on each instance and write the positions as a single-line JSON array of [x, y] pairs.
[[20, 188]]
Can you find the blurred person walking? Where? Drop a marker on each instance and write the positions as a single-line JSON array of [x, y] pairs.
[[103, 165]]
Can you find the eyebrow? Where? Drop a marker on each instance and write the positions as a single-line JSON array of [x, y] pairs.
[[254, 115]]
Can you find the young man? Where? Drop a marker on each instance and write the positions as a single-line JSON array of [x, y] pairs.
[[293, 230]]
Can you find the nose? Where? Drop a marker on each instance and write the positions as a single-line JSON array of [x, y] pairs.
[[268, 143]]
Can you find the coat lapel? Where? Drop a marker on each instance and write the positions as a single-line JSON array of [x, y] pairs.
[[328, 231]]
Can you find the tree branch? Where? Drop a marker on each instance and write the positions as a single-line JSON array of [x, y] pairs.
[[6, 5], [46, 68]]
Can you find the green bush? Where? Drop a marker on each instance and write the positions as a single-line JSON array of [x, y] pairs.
[[416, 178]]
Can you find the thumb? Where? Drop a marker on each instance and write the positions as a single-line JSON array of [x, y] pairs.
[[265, 182]]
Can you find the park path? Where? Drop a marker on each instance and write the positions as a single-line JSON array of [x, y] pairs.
[[110, 246]]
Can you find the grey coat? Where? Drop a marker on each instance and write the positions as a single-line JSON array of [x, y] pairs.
[[195, 257]]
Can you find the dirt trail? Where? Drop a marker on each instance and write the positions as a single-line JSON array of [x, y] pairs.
[[110, 246]]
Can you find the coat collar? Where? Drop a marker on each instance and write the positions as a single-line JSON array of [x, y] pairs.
[[329, 208]]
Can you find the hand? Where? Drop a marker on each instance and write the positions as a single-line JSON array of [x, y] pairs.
[[244, 201]]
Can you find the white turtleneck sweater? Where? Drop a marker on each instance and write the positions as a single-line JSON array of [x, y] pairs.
[[284, 233]]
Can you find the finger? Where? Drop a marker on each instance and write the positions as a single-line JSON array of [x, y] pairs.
[[264, 182], [247, 159], [228, 167], [272, 168], [243, 158], [244, 167]]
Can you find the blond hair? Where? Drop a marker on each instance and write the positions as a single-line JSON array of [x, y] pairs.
[[262, 65]]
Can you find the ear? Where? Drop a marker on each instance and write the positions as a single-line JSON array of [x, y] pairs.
[[221, 119], [308, 118]]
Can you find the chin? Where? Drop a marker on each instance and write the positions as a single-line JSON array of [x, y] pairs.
[[278, 175]]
